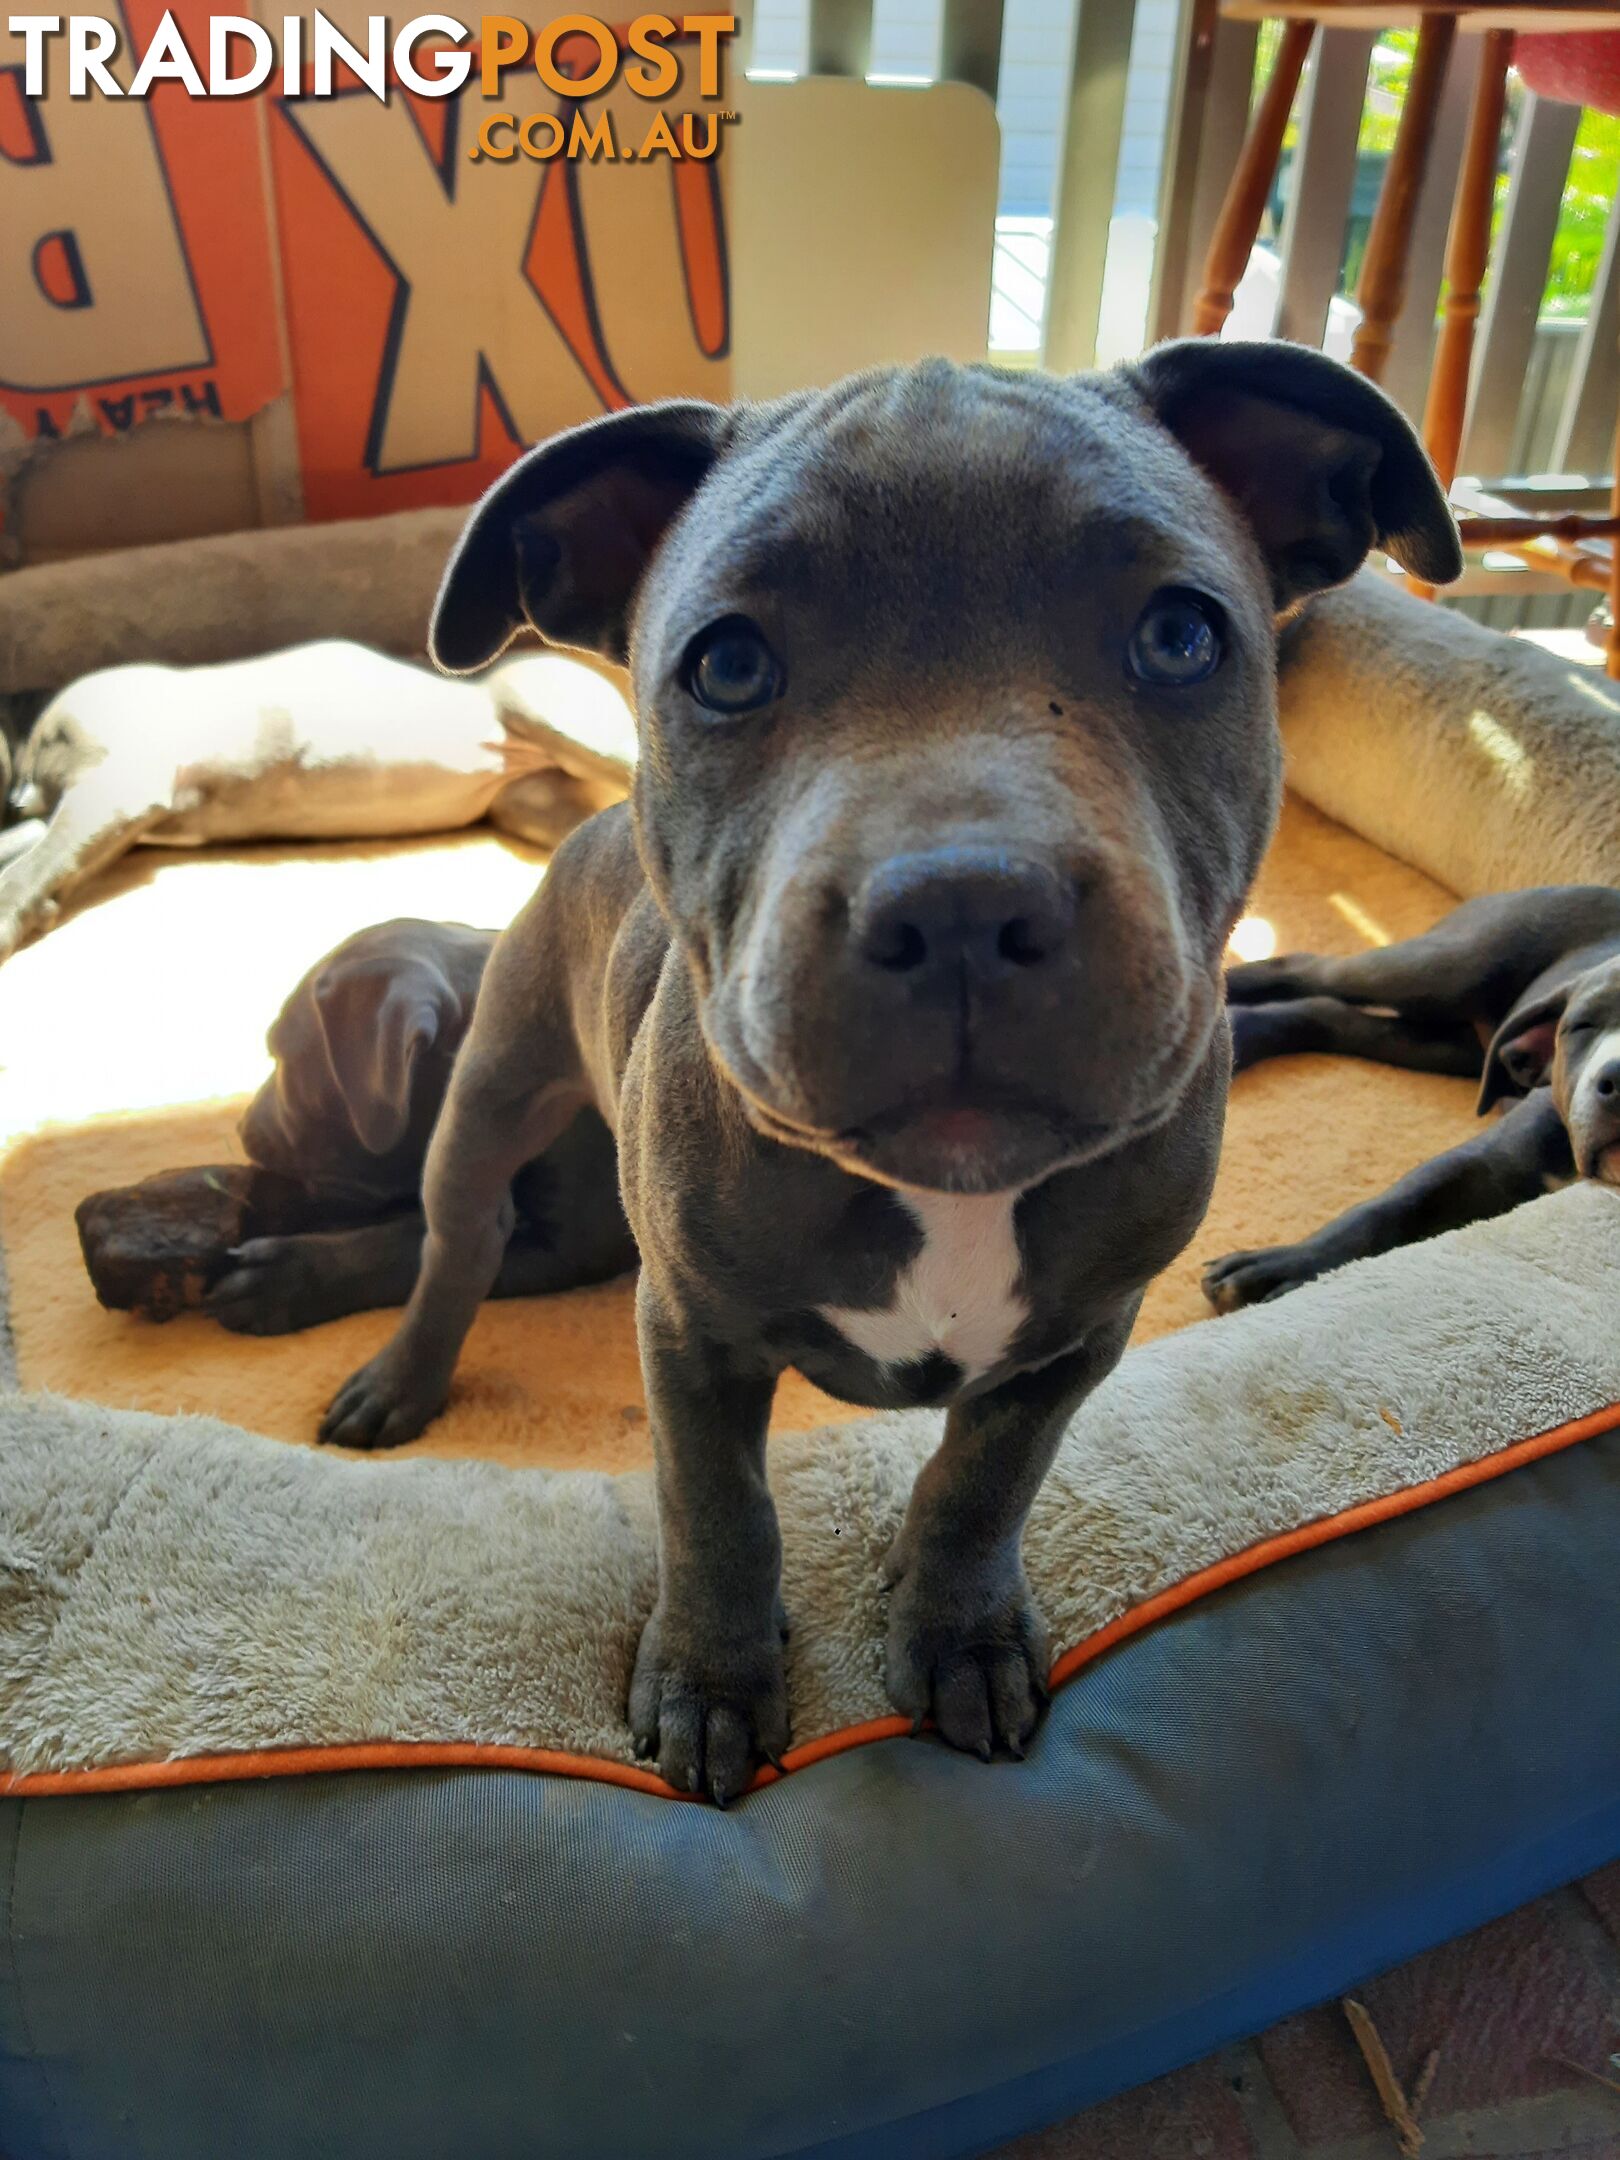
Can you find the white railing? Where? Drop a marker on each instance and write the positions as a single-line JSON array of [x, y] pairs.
[[1169, 83]]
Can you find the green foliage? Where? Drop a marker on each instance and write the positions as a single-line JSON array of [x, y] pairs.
[[1387, 79], [1594, 170], [1588, 199]]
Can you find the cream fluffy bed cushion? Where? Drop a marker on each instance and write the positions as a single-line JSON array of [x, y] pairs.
[[173, 1588], [1484, 760]]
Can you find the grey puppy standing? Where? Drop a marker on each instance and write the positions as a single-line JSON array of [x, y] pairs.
[[900, 981]]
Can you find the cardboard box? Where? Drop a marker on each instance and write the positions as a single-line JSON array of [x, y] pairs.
[[223, 312]]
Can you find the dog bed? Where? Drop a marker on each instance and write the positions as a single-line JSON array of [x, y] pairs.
[[278, 1874], [1488, 761], [1302, 1772], [224, 597]]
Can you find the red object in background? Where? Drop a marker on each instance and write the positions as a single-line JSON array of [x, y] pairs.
[[1576, 67]]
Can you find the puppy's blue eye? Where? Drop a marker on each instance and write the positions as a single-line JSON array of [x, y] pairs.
[[731, 669], [1177, 641]]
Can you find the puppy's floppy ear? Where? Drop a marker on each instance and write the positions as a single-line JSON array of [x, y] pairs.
[[375, 1024], [1320, 462], [562, 539], [1520, 1055]]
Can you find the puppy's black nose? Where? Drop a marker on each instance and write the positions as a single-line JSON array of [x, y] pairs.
[[996, 913]]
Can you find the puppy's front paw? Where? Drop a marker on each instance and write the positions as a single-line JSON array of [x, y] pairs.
[[1259, 982], [708, 1706], [270, 1288], [1254, 1278], [1265, 1031], [385, 1403], [972, 1655]]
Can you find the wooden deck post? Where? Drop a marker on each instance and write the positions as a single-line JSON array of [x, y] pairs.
[[1250, 184], [1382, 283], [1468, 247]]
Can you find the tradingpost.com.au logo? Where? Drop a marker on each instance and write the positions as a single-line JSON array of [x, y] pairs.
[[573, 57]]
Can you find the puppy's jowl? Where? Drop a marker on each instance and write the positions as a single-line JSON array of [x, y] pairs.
[[899, 982]]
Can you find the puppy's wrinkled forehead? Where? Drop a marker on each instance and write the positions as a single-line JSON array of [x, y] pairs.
[[916, 495], [1594, 1002], [938, 487]]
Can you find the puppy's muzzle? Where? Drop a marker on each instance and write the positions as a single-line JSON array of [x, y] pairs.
[[964, 1017], [1598, 1145], [928, 921]]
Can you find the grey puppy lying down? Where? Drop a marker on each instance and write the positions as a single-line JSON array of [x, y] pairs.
[[896, 993], [1520, 990], [327, 1218], [321, 742], [363, 1052]]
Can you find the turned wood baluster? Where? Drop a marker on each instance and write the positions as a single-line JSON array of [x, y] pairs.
[[1382, 284], [1250, 184], [1468, 248]]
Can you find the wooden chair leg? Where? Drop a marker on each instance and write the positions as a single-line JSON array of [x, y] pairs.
[[1612, 656], [1382, 284], [1250, 184], [1468, 247]]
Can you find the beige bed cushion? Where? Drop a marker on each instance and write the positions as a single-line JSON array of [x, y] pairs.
[[171, 1587], [1483, 760]]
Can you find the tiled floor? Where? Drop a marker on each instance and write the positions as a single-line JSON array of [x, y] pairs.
[[1514, 2014]]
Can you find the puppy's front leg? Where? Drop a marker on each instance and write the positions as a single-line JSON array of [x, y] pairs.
[[709, 1693], [966, 1644], [488, 1129], [1524, 1154], [1334, 1027]]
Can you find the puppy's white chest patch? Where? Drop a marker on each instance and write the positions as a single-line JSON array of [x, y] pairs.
[[959, 1295]]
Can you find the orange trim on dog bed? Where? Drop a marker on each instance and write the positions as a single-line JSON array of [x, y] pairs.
[[468, 1754]]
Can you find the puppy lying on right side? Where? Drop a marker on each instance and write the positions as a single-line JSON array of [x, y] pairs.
[[1521, 990]]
